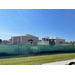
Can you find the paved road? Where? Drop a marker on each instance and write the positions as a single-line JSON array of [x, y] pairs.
[[60, 62]]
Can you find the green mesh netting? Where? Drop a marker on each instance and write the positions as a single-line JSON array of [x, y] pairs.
[[28, 49]]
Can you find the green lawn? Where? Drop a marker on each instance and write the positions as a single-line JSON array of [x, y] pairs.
[[35, 59]]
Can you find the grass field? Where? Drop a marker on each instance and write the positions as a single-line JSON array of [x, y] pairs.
[[36, 59]]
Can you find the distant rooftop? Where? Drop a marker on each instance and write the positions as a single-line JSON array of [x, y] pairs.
[[51, 38], [56, 38], [30, 35]]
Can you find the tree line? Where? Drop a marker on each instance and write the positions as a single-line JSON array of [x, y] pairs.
[[71, 42], [3, 41]]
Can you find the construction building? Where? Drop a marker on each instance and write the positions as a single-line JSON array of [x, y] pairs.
[[24, 39], [51, 41], [35, 40]]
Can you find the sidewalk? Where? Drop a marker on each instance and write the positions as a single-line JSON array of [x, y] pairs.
[[60, 62]]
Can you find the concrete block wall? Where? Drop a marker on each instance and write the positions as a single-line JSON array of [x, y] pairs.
[[13, 40], [43, 42], [18, 40], [24, 39], [57, 41]]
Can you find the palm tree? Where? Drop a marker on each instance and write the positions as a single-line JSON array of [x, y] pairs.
[[70, 42], [73, 42], [67, 42]]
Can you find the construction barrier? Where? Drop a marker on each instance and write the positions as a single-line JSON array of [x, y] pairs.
[[28, 49]]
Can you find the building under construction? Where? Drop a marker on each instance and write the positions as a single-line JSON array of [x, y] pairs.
[[51, 41], [24, 39]]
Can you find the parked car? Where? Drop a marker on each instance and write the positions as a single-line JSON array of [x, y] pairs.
[[72, 63]]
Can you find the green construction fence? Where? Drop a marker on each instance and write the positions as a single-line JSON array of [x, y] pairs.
[[28, 49]]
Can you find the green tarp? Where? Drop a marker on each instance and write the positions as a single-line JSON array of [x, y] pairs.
[[27, 49]]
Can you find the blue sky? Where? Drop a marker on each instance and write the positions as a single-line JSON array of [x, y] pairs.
[[41, 23]]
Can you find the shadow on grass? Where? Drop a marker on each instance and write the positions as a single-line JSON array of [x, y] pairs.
[[6, 56]]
